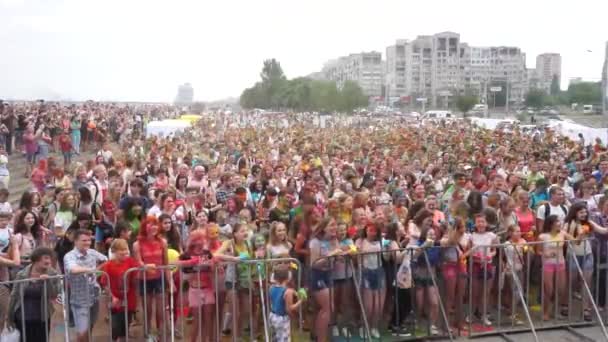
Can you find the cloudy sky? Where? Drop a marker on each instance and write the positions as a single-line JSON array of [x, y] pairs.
[[141, 50]]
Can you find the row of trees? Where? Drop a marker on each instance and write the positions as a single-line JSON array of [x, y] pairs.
[[581, 93], [275, 91]]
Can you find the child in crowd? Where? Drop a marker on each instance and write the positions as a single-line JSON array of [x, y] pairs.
[[116, 269], [201, 294], [515, 256], [282, 304]]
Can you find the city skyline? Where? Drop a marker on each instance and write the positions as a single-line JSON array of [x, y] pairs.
[[66, 48]]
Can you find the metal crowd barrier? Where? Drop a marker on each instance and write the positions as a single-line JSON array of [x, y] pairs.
[[62, 284], [527, 292], [263, 267], [534, 268], [354, 263]]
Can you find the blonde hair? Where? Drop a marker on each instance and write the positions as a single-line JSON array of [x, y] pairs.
[[273, 232], [119, 245]]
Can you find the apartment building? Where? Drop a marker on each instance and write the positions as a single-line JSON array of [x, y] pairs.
[[548, 65], [185, 94], [398, 73], [440, 67], [365, 68], [484, 68]]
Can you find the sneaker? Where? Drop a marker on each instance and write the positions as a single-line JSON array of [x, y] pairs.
[[434, 330], [59, 299], [346, 332], [403, 332], [335, 331], [486, 321], [479, 316], [375, 333], [577, 296], [516, 320]]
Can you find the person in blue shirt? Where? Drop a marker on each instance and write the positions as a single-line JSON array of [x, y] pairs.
[[282, 304]]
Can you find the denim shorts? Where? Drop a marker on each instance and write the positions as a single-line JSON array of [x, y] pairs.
[[84, 317], [152, 286], [372, 279], [319, 280], [584, 261]]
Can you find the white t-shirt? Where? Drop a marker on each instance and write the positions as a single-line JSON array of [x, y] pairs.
[[482, 239], [553, 210]]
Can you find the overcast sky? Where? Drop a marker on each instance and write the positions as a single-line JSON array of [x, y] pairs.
[[141, 50]]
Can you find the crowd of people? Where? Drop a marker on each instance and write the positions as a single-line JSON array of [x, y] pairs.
[[405, 216]]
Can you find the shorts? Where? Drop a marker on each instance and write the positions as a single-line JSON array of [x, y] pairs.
[[281, 327], [152, 286], [453, 270], [423, 282], [554, 267], [584, 261], [199, 297], [30, 157], [319, 280], [84, 317], [372, 279], [119, 326], [483, 270]]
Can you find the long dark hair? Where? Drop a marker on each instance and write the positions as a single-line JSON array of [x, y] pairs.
[[172, 236], [26, 201], [414, 209], [573, 212], [475, 202], [132, 202], [549, 222], [20, 226]]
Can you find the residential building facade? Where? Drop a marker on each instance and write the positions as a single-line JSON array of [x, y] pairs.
[[365, 68], [548, 65], [185, 94], [440, 67]]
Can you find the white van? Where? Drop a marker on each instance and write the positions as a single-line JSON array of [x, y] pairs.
[[588, 109], [438, 115]]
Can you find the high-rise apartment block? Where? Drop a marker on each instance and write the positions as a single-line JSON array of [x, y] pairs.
[[548, 66], [185, 94], [440, 67], [365, 68]]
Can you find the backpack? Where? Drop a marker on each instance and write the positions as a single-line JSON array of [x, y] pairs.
[[548, 210]]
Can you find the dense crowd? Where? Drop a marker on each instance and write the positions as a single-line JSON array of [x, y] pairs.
[[377, 209]]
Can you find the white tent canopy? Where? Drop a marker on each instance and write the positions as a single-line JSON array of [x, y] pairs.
[[166, 127]]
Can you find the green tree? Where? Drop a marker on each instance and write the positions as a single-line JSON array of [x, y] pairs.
[[585, 93], [324, 96], [254, 97], [352, 97], [555, 90], [535, 98], [465, 103], [273, 81]]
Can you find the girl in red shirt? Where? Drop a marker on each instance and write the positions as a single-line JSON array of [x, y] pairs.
[[150, 249], [116, 268]]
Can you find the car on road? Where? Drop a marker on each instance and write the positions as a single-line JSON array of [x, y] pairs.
[[438, 115]]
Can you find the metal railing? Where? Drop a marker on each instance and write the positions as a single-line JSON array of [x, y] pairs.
[[21, 312], [261, 268], [524, 290]]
